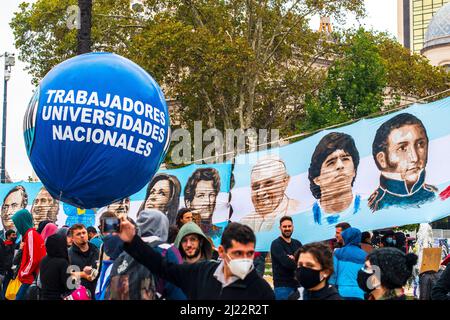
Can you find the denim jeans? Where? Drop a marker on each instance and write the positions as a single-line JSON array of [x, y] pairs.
[[282, 293], [21, 294]]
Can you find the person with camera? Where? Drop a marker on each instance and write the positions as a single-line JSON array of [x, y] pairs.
[[85, 256], [234, 278]]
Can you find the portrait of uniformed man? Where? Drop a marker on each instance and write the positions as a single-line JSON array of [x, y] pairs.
[[200, 196], [269, 181], [44, 207], [120, 207], [331, 174], [15, 200], [400, 151], [163, 194]]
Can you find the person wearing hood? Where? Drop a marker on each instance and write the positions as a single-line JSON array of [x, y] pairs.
[[111, 249], [42, 225], [49, 230], [385, 273], [193, 244], [232, 278], [153, 228], [33, 250], [65, 231], [348, 260], [54, 273]]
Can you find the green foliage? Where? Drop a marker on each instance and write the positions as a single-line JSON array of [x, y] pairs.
[[229, 63], [354, 85], [370, 69], [239, 63]]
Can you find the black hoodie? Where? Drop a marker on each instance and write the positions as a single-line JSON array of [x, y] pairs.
[[83, 259], [54, 269], [326, 293]]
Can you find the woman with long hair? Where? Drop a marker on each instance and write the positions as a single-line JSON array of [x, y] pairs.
[[163, 194]]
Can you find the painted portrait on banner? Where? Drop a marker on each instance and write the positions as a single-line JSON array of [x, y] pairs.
[[163, 194], [400, 151], [44, 207], [15, 200], [200, 196], [269, 181], [121, 207], [331, 174]]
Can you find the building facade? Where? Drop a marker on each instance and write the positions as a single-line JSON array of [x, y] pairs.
[[437, 39], [413, 18]]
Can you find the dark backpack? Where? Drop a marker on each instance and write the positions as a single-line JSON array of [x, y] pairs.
[[130, 280]]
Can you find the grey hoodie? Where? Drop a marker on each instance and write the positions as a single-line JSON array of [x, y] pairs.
[[153, 223]]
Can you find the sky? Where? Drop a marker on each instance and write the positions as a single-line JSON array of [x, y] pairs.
[[381, 16]]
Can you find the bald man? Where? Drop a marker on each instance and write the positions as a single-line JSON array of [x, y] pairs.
[[44, 207], [269, 181]]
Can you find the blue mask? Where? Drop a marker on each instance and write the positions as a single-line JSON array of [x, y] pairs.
[[113, 246]]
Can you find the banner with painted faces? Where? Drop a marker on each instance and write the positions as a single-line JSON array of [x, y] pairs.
[[376, 173], [202, 189]]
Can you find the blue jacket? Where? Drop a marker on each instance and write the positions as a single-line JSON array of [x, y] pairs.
[[347, 262], [97, 241]]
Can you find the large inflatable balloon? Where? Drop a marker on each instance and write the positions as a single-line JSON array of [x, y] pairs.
[[96, 129]]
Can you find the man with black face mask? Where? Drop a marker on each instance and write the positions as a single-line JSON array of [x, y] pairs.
[[282, 252], [234, 278]]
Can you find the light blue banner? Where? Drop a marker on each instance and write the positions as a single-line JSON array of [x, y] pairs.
[[376, 173]]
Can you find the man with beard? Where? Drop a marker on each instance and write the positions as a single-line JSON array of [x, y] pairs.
[[193, 244], [15, 200], [332, 173], [282, 252], [400, 151], [269, 181], [120, 207], [45, 207]]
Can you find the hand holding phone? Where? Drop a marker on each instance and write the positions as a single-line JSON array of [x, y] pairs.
[[109, 225]]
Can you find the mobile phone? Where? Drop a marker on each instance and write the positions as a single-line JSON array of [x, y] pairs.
[[109, 225]]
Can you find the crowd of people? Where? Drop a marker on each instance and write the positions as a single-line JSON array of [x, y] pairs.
[[152, 258]]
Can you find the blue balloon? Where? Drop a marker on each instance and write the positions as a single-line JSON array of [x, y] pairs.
[[96, 130]]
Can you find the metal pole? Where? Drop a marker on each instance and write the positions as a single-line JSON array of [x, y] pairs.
[[5, 89]]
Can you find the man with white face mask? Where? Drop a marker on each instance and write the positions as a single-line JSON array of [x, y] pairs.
[[234, 278]]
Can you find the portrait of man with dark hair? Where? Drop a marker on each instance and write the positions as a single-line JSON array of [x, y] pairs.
[[200, 196], [163, 194], [44, 207], [400, 151], [269, 181], [15, 200], [331, 174], [120, 207]]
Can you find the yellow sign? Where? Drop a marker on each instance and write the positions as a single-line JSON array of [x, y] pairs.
[[431, 259]]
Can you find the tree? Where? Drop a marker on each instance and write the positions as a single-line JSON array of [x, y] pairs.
[[368, 69], [229, 63]]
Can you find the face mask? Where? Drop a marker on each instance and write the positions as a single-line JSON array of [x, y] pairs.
[[240, 267], [307, 277], [363, 278], [113, 246]]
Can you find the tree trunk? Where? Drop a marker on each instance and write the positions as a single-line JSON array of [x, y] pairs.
[[84, 33]]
